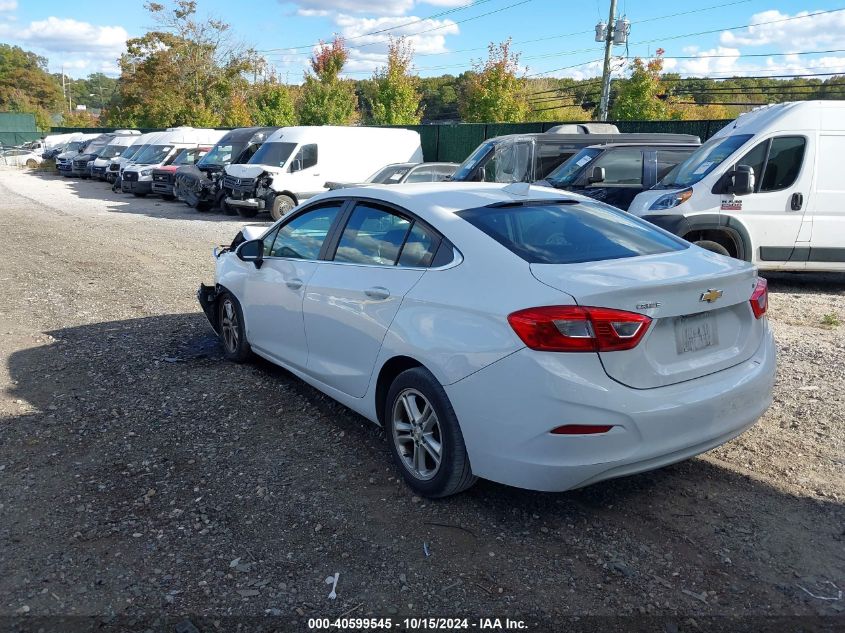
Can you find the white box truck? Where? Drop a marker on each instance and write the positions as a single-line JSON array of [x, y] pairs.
[[768, 188], [295, 163]]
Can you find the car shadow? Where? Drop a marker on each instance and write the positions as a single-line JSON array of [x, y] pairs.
[[150, 205], [135, 419]]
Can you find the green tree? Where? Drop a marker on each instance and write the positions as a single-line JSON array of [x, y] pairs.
[[79, 118], [185, 73], [494, 92], [397, 98], [326, 99], [638, 98], [26, 86], [272, 104]]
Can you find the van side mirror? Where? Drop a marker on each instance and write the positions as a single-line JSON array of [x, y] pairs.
[[296, 165], [596, 175], [743, 181], [252, 251]]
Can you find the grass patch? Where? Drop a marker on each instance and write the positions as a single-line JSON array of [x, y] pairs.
[[831, 320]]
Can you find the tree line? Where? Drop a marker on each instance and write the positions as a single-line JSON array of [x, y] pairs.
[[191, 71]]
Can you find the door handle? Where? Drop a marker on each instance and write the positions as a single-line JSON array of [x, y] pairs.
[[797, 201], [294, 284], [378, 292]]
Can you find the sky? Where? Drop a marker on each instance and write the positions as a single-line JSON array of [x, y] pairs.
[[714, 38]]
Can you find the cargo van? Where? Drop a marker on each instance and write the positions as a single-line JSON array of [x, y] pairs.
[[615, 173], [296, 162], [119, 162], [532, 157], [198, 185], [64, 161], [767, 188], [116, 146], [137, 178]]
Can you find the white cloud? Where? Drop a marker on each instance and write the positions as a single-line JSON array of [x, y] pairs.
[[8, 5], [373, 7], [807, 32], [68, 35]]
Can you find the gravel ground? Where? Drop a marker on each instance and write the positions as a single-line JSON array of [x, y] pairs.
[[140, 474]]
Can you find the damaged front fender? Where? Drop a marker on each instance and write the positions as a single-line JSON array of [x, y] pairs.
[[207, 297]]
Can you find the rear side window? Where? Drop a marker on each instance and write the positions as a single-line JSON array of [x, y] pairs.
[[570, 233], [372, 236]]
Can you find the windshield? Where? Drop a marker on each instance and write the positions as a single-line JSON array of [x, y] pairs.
[[389, 174], [568, 172], [73, 146], [703, 161], [154, 154], [189, 156], [466, 168], [129, 152], [570, 233], [273, 154], [221, 155], [110, 151]]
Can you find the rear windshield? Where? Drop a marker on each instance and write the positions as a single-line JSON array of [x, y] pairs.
[[273, 154], [569, 233]]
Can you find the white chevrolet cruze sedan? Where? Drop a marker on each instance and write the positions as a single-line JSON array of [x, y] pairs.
[[533, 338]]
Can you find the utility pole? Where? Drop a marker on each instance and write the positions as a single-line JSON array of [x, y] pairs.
[[605, 73], [614, 32]]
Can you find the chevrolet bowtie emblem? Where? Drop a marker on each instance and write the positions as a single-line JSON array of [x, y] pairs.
[[710, 296]]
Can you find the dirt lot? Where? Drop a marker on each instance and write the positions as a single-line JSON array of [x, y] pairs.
[[142, 475]]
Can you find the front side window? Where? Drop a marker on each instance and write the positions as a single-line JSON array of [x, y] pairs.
[[570, 233], [567, 173], [622, 167], [755, 158], [306, 157], [511, 162], [786, 155], [372, 236], [302, 236]]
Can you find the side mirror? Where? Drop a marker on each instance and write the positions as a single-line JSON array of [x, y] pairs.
[[596, 175], [296, 165], [743, 181], [252, 251]]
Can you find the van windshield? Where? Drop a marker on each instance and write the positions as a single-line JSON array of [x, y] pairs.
[[273, 154], [110, 151], [220, 155], [568, 172], [154, 154], [467, 167], [702, 161]]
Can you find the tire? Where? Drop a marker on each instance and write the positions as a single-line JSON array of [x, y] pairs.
[[414, 444], [714, 247], [230, 318], [32, 164], [247, 212], [282, 204]]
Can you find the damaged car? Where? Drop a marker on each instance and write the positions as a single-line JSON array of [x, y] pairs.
[[198, 185], [163, 177]]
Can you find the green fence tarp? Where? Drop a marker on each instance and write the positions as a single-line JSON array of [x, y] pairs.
[[17, 128], [454, 142]]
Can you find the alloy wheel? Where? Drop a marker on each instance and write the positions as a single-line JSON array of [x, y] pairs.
[[417, 434], [229, 326]]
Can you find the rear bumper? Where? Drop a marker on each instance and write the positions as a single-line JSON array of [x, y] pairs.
[[507, 410]]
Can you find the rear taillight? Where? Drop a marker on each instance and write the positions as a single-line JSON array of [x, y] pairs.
[[760, 298], [579, 329]]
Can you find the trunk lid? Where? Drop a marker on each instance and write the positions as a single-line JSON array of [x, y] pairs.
[[689, 336]]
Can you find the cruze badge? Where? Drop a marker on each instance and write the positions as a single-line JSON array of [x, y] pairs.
[[648, 305], [710, 296]]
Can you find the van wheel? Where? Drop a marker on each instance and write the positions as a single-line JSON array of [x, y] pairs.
[[281, 205], [715, 247], [247, 212], [424, 436]]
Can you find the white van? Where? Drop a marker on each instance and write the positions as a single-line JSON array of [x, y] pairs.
[[295, 163], [117, 145], [119, 162], [64, 161], [137, 177], [768, 188]]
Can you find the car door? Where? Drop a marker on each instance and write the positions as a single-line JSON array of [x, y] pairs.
[[827, 242], [352, 299], [305, 178], [773, 214], [272, 301]]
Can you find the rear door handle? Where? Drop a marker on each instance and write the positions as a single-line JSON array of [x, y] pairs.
[[377, 292], [797, 201], [294, 284]]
